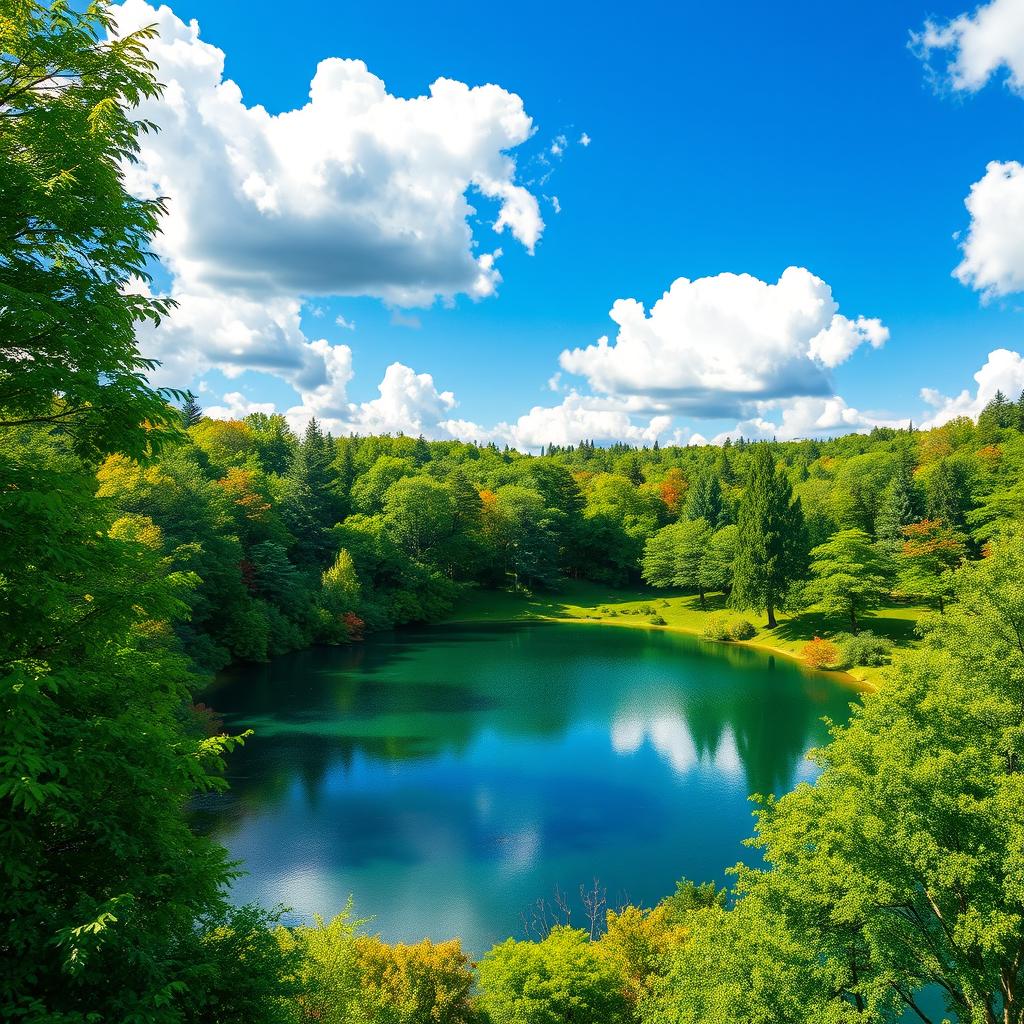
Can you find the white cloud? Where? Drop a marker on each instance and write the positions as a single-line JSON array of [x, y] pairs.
[[713, 345], [978, 45], [1003, 371], [788, 419], [356, 192], [407, 402], [837, 342], [993, 251], [584, 139], [348, 325], [578, 417], [558, 146], [236, 406], [555, 381], [399, 319]]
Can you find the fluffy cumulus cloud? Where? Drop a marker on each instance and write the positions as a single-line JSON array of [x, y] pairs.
[[993, 249], [356, 192], [714, 345], [575, 418], [1003, 371], [967, 51], [963, 55], [793, 418], [236, 406]]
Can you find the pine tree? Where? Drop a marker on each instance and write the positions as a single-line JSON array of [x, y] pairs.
[[421, 451], [771, 551], [313, 507], [997, 415], [704, 499], [191, 410], [899, 506]]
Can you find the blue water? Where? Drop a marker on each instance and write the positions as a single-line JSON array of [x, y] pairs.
[[449, 777]]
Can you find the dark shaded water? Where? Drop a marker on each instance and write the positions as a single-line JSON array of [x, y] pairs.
[[450, 776]]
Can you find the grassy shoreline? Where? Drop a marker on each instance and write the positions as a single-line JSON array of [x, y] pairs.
[[584, 602]]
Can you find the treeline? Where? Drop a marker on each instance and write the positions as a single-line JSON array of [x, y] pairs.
[[292, 540]]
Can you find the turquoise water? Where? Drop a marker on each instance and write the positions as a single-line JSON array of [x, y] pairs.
[[449, 777]]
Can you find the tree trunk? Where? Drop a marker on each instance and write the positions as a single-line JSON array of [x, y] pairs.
[[853, 620], [703, 603], [771, 617]]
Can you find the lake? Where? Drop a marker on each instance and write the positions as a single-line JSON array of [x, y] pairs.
[[449, 777]]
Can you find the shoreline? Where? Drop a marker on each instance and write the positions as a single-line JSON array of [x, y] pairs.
[[841, 676]]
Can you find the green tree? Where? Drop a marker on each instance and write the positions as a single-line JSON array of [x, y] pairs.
[[849, 576], [562, 980], [998, 414], [103, 885], [925, 562], [191, 411], [716, 562], [674, 555], [419, 514], [73, 241], [328, 973], [312, 505], [949, 496], [518, 524], [900, 868], [899, 505], [275, 443], [704, 499], [771, 549]]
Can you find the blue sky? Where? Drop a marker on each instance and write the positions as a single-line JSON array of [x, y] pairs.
[[741, 141]]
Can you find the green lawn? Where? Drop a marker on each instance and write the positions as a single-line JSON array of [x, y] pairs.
[[592, 602]]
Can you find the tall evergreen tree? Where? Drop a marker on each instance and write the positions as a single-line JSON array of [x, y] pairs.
[[704, 499], [421, 451], [899, 506], [949, 495], [771, 550], [997, 415], [191, 411], [313, 506]]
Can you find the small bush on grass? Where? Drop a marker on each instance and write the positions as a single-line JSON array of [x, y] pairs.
[[863, 649], [722, 626], [819, 653]]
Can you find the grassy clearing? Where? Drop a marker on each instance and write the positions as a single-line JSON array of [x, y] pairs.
[[592, 602]]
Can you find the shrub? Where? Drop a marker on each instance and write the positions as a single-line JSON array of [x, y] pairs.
[[714, 627], [819, 653], [657, 620], [722, 626], [863, 649], [740, 628], [408, 984], [566, 979]]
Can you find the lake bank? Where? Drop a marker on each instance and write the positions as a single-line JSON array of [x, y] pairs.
[[585, 602]]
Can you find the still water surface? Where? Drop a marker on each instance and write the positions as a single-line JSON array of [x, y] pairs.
[[450, 776]]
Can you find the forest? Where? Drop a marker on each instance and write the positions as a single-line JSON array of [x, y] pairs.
[[144, 547]]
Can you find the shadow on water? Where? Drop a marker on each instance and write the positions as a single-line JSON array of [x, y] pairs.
[[449, 776]]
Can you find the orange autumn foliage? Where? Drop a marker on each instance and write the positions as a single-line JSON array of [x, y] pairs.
[[673, 488], [820, 653]]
